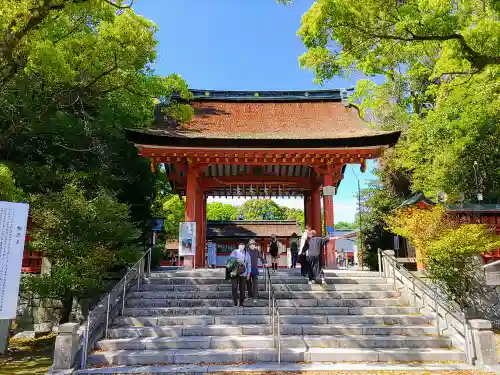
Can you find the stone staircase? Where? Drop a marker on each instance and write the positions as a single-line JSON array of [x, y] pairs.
[[186, 317]]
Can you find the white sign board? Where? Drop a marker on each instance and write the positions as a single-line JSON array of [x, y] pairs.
[[13, 222], [187, 238]]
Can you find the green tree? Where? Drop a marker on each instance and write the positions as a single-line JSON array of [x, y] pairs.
[[84, 236], [374, 37], [295, 214], [262, 209], [221, 211], [8, 190], [173, 211], [377, 202], [441, 63], [344, 225], [74, 75]]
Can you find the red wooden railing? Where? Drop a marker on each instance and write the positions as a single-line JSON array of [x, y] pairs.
[[32, 260]]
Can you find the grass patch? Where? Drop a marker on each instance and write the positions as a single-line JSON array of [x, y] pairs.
[[28, 356]]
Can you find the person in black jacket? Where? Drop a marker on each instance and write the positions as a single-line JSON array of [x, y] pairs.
[[274, 252], [315, 256]]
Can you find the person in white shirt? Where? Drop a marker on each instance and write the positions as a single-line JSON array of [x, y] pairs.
[[302, 255], [239, 281]]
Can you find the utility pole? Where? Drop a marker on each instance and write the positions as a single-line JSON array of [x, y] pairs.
[[360, 242]]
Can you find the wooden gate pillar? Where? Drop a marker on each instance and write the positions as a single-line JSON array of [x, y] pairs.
[[190, 210], [316, 210], [308, 209], [329, 222]]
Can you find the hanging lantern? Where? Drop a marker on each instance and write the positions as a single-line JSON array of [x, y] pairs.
[[363, 166]]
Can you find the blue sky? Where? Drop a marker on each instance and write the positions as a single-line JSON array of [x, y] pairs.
[[241, 45]]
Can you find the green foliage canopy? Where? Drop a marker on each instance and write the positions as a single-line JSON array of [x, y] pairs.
[[74, 74], [221, 211], [262, 209]]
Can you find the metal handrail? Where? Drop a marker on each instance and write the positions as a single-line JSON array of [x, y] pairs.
[[110, 300], [274, 313], [441, 302]]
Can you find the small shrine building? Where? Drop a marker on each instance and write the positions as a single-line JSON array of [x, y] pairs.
[[262, 144]]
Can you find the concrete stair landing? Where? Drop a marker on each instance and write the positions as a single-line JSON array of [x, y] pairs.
[[186, 317]]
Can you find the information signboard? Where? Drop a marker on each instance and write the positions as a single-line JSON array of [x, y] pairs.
[[13, 222], [187, 239]]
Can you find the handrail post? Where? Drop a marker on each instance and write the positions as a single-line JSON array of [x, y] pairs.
[[414, 293], [436, 309], [265, 276], [139, 275], [107, 316], [468, 353], [279, 337], [269, 293], [272, 316], [124, 291], [149, 262], [85, 348], [379, 254], [394, 274]]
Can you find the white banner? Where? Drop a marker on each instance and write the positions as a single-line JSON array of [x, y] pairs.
[[13, 222], [187, 238]]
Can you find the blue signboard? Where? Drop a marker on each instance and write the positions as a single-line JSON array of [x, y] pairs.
[[157, 224], [212, 253]]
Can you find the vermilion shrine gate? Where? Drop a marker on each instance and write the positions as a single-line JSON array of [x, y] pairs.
[[262, 144]]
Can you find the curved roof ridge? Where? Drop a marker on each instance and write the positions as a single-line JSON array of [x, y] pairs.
[[336, 94]]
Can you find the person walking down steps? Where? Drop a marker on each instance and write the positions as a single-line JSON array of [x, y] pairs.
[[274, 252], [238, 269], [314, 246], [253, 281]]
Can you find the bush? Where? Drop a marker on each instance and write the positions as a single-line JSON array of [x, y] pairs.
[[452, 261], [84, 237], [449, 250]]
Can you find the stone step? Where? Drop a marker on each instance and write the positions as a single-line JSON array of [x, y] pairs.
[[277, 280], [263, 341], [220, 272], [276, 287], [302, 295], [155, 302], [285, 368], [173, 311], [381, 320], [299, 354], [265, 329]]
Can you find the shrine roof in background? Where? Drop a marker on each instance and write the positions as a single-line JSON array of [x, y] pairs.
[[253, 228], [269, 119]]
